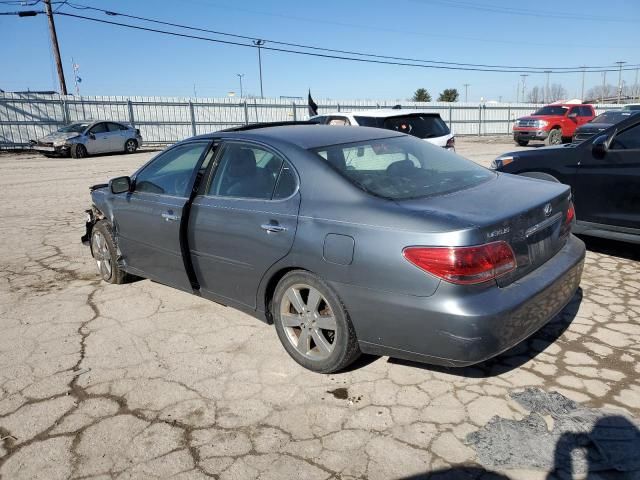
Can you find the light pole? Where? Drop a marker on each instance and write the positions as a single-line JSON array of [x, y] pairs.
[[546, 88], [240, 75], [466, 92], [259, 43], [620, 64], [524, 86], [582, 91]]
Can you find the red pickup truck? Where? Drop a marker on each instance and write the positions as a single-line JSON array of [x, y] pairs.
[[554, 124]]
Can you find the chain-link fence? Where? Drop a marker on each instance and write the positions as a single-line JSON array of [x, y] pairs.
[[165, 120]]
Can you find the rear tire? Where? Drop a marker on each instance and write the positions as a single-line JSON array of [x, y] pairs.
[[130, 146], [105, 253], [522, 143], [555, 137], [313, 324], [78, 151]]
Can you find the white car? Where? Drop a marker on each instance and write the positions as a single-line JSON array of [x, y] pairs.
[[425, 125]]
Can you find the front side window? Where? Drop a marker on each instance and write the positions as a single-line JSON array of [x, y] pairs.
[[627, 140], [400, 168], [585, 112], [246, 171], [170, 172], [74, 128]]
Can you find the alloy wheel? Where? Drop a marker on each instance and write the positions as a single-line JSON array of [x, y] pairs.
[[308, 322], [130, 146], [102, 255]]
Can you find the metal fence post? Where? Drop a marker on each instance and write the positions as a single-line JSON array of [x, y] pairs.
[[65, 111], [450, 110], [246, 113], [132, 120], [479, 119], [508, 119], [193, 119], [338, 107], [295, 115]]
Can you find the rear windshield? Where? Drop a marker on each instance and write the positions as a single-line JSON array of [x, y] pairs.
[[421, 126], [633, 108], [551, 110], [400, 168], [611, 117]]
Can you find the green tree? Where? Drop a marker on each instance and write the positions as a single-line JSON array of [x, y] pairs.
[[421, 95], [449, 95]]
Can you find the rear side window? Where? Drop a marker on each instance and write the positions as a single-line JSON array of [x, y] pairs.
[[116, 127], [585, 112], [421, 126], [246, 171], [339, 121], [403, 167]]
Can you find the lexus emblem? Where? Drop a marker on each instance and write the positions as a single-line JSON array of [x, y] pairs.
[[547, 209]]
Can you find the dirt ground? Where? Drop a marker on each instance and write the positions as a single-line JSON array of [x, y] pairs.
[[142, 381]]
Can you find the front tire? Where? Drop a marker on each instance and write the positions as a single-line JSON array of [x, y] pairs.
[[555, 137], [130, 146], [78, 151], [313, 324], [105, 253], [522, 143]]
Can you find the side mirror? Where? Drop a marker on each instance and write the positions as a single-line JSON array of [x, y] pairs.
[[120, 184], [600, 146], [92, 136]]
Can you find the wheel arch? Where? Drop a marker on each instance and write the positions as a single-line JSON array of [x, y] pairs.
[[268, 288]]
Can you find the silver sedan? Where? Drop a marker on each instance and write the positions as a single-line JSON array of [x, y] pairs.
[[80, 139]]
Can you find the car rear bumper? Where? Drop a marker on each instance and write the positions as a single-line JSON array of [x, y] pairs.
[[460, 325], [530, 134]]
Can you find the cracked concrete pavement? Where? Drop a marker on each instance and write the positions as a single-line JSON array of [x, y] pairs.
[[142, 381]]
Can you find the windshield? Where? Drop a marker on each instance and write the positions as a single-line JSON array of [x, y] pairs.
[[400, 168], [551, 110], [611, 117], [74, 127]]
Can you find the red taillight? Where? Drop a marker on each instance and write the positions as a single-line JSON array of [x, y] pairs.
[[571, 214], [464, 265], [451, 143]]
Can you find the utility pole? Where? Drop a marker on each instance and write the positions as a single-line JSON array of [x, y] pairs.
[[620, 64], [466, 92], [56, 49], [240, 75], [635, 87], [582, 90], [604, 86], [524, 86], [259, 44], [546, 88]]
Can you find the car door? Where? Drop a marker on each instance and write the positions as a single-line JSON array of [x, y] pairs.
[[607, 185], [243, 223], [98, 138], [148, 221], [117, 137]]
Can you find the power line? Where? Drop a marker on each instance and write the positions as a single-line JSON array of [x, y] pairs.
[[321, 55], [312, 47]]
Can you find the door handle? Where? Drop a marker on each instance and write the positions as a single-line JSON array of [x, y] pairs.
[[273, 227], [168, 217]]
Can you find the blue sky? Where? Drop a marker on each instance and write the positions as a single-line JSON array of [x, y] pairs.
[[117, 61]]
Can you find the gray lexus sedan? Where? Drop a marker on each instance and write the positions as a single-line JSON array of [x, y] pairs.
[[349, 240]]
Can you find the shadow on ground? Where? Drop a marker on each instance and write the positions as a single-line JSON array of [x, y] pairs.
[[630, 251]]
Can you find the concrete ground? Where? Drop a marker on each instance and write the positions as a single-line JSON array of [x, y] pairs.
[[142, 381]]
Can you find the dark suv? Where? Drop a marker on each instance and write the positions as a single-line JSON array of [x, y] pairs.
[[603, 172]]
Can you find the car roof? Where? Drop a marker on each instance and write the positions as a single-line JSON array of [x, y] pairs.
[[308, 136], [384, 112]]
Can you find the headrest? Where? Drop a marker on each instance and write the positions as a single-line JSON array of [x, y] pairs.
[[243, 162]]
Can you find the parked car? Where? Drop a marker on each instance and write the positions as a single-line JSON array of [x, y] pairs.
[[553, 124], [348, 239], [80, 139], [603, 172], [601, 123], [425, 125]]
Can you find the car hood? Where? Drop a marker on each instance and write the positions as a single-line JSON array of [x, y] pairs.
[[539, 117], [59, 136], [593, 127]]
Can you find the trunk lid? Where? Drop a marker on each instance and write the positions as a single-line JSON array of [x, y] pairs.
[[528, 214]]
